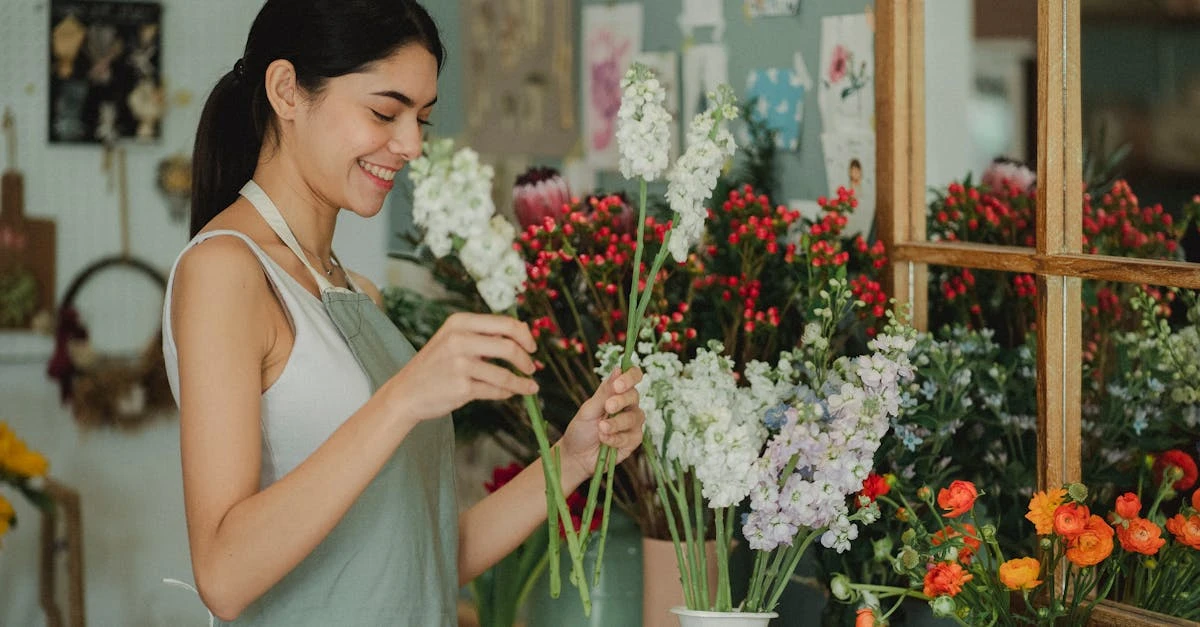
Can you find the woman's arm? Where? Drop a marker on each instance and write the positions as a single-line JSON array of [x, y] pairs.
[[499, 523], [243, 540]]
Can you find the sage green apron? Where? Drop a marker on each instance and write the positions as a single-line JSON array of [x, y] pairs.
[[392, 560]]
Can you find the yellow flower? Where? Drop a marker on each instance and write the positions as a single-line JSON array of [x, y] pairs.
[[18, 459], [1042, 507], [6, 515], [1021, 573]]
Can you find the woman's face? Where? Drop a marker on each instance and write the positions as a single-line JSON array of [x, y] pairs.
[[356, 136]]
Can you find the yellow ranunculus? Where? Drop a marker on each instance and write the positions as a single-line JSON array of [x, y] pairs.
[[1020, 573], [1042, 507]]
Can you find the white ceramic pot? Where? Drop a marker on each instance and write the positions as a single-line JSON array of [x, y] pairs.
[[697, 618]]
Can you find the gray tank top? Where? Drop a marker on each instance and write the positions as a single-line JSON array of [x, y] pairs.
[[392, 559]]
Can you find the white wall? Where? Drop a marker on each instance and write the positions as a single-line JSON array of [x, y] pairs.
[[948, 86], [130, 485]]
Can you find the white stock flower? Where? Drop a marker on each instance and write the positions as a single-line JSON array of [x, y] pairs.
[[452, 194], [691, 181], [643, 125]]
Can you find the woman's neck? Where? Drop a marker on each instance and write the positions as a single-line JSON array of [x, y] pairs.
[[310, 216]]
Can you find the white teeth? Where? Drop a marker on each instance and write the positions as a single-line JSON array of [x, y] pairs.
[[382, 173]]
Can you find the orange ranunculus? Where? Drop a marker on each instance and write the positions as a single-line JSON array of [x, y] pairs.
[[1129, 506], [1042, 507], [946, 578], [1196, 500], [1093, 545], [1140, 536], [1186, 530], [1021, 573], [958, 499], [864, 617], [968, 546], [1070, 519]]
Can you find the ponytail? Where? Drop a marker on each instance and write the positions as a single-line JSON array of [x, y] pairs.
[[228, 141], [322, 39]]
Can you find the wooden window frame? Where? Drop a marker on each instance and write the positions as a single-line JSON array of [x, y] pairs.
[[1057, 260]]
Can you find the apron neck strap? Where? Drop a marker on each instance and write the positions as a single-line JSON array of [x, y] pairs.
[[267, 209]]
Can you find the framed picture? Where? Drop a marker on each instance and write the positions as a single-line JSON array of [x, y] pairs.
[[105, 80]]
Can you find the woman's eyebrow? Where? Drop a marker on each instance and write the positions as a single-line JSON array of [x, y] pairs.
[[402, 98]]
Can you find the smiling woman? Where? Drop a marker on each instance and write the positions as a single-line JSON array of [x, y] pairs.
[[316, 443]]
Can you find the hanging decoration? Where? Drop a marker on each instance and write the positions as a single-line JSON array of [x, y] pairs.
[[105, 83], [110, 390]]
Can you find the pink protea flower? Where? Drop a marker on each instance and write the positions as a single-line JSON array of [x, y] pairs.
[[539, 193], [1003, 173]]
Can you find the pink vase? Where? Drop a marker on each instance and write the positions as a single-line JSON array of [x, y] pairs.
[[662, 588]]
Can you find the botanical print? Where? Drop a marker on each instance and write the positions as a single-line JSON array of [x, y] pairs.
[[767, 8], [612, 35], [847, 74]]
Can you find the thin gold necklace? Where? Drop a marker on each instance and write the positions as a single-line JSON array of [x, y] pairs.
[[332, 264]]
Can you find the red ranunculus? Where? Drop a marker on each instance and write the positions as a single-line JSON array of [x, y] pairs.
[[874, 486], [1180, 460]]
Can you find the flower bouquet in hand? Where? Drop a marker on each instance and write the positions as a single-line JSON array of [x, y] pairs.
[[953, 561], [796, 441], [452, 206]]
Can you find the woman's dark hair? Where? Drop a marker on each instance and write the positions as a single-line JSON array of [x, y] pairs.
[[323, 39]]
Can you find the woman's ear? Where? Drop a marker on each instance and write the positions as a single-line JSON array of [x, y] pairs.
[[282, 91]]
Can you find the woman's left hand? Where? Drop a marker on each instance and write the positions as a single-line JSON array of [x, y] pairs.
[[611, 416]]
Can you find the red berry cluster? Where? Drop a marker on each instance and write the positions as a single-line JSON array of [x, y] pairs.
[[1118, 226]]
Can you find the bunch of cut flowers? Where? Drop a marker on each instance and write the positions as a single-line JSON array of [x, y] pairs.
[[793, 441], [453, 208], [23, 469]]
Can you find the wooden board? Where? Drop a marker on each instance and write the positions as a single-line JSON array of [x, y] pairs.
[[25, 244]]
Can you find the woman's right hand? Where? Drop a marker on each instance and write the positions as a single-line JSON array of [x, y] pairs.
[[453, 368]]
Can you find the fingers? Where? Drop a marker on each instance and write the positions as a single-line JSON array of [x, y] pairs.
[[628, 380], [502, 379], [491, 324], [503, 348], [618, 402], [624, 430]]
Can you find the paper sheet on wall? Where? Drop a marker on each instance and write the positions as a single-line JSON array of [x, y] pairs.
[[768, 8], [850, 163], [612, 35], [701, 13], [846, 74], [780, 94], [704, 68], [665, 66]]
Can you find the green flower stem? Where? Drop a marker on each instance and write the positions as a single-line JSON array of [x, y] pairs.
[[701, 535], [609, 472], [752, 594], [724, 601], [552, 534], [792, 563], [681, 501], [661, 482], [553, 475]]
